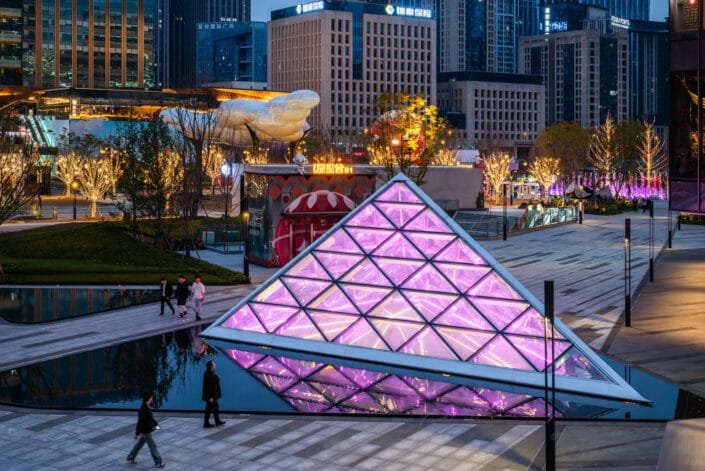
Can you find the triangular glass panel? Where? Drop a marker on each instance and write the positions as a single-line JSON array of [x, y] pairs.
[[243, 358], [278, 383], [462, 276], [428, 222], [363, 378], [396, 307], [361, 334], [500, 313], [394, 385], [339, 241], [531, 323], [576, 365], [300, 326], [465, 397], [498, 352], [428, 388], [399, 213], [365, 297], [397, 404], [307, 407], [270, 365], [337, 263], [502, 400], [366, 273], [533, 349], [244, 319], [369, 216], [463, 341], [330, 375], [369, 239], [365, 402], [273, 316], [332, 392], [427, 343], [396, 333], [334, 300], [471, 319], [398, 193], [302, 368], [304, 290], [276, 293], [307, 393], [493, 286], [308, 267], [459, 252], [331, 324], [397, 270], [428, 279], [398, 246], [430, 305], [462, 314], [429, 244]]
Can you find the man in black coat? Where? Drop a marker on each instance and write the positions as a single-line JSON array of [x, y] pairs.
[[145, 426], [182, 294], [165, 293], [211, 394]]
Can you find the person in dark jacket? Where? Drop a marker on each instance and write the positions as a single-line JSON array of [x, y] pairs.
[[165, 293], [182, 294], [211, 394], [145, 426]]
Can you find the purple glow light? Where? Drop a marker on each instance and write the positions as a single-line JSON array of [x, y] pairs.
[[399, 193], [399, 213]]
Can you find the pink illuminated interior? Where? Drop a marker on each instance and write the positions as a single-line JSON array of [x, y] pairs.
[[397, 277]]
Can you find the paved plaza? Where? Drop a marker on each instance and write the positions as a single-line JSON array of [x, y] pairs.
[[586, 262]]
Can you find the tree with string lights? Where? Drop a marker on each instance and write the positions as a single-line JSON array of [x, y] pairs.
[[496, 170], [604, 149], [95, 182], [652, 158], [545, 170], [19, 163]]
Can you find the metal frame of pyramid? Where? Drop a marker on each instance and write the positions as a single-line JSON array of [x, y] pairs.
[[398, 282]]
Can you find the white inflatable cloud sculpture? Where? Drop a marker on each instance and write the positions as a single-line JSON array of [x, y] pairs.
[[282, 118]]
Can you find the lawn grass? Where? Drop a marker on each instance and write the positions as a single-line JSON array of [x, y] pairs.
[[100, 253]]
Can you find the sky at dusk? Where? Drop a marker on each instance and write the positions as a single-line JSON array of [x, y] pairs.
[[261, 8]]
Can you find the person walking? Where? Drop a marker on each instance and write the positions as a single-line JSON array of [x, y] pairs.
[[143, 433], [165, 293], [211, 394], [182, 294], [198, 293]]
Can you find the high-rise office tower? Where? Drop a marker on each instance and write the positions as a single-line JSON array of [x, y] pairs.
[[350, 53], [210, 11], [627, 9], [483, 35], [89, 43], [11, 42]]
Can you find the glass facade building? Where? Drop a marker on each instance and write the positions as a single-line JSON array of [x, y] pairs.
[[231, 51], [687, 87], [627, 9], [89, 43], [11, 42], [483, 35]]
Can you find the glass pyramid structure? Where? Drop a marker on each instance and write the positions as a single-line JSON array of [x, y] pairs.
[[397, 282]]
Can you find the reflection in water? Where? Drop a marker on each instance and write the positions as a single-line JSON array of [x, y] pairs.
[[263, 380], [28, 305]]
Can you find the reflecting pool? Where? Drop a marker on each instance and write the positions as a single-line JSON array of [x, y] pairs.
[[31, 305], [258, 380]]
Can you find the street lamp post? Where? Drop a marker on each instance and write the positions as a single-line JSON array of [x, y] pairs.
[[628, 272], [651, 240], [246, 249], [74, 189], [549, 415], [504, 211]]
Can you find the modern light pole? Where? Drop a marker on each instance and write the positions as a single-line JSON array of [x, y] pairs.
[[549, 415], [75, 185], [628, 272], [504, 211], [651, 240], [246, 249]]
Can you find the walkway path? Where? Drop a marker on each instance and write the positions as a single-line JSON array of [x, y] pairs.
[[51, 441], [666, 337]]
